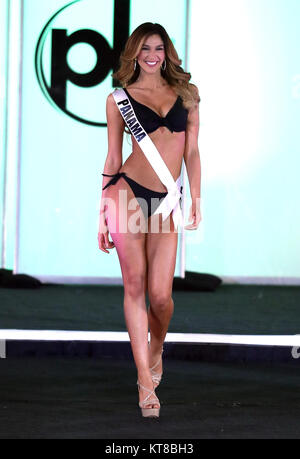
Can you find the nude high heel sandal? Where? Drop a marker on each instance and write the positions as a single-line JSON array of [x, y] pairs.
[[149, 412], [156, 377]]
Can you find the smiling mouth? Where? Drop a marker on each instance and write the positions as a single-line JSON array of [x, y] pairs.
[[151, 64]]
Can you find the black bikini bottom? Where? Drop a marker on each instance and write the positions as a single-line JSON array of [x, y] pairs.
[[142, 194]]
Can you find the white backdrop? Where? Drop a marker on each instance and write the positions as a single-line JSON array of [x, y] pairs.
[[243, 56]]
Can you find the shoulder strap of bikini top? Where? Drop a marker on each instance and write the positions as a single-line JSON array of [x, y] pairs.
[[171, 201]]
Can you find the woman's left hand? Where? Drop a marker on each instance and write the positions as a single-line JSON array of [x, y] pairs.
[[195, 215]]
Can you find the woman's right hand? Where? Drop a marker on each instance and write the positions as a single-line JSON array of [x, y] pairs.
[[103, 239], [104, 242]]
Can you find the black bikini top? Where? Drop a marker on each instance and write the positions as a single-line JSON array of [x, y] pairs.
[[175, 120]]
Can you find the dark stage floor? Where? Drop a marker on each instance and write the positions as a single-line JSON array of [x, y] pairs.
[[89, 390], [94, 398]]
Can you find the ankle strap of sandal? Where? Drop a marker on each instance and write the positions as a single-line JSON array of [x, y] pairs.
[[151, 392], [154, 366]]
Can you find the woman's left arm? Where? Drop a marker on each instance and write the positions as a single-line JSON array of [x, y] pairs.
[[193, 165]]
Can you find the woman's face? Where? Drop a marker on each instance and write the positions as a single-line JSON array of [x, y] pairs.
[[152, 54]]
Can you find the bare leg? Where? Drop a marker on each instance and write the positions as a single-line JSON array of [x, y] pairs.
[[161, 256], [132, 256]]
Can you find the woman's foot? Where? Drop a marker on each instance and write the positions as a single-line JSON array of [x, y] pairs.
[[156, 366], [147, 398]]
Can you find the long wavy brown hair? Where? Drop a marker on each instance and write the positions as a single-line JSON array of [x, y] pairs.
[[174, 74]]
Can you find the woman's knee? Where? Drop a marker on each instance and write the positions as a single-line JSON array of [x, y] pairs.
[[160, 300], [134, 284]]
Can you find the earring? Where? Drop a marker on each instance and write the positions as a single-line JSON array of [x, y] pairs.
[[134, 68], [163, 67]]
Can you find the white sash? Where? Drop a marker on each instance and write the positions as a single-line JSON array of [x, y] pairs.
[[171, 201]]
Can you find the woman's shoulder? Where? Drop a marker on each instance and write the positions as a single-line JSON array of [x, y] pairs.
[[111, 103], [194, 88], [110, 97], [195, 92]]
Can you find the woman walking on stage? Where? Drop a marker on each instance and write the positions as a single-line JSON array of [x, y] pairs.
[[159, 106]]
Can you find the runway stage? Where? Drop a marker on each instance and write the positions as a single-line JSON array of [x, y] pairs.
[[81, 389]]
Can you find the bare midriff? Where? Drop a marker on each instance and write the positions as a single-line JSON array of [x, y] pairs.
[[171, 148]]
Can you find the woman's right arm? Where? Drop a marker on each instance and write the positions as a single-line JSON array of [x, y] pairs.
[[115, 130], [113, 163]]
